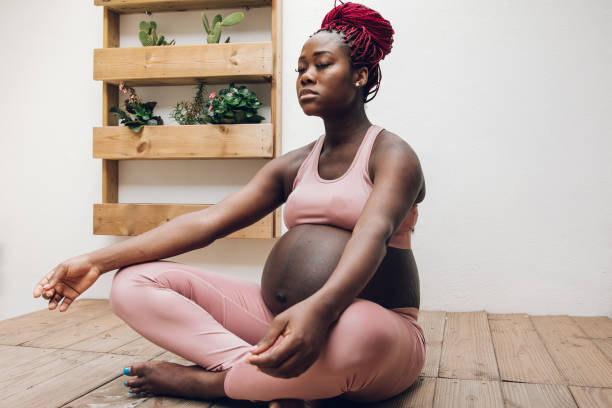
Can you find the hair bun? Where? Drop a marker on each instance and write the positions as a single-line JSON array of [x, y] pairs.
[[361, 18]]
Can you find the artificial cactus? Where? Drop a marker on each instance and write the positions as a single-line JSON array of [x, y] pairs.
[[213, 31], [148, 35]]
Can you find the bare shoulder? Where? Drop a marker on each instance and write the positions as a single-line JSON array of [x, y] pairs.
[[290, 163], [389, 144]]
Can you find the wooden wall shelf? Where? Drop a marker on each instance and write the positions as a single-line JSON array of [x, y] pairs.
[[134, 219], [241, 141], [181, 65], [140, 6], [185, 64]]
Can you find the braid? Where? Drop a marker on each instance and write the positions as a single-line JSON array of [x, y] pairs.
[[368, 34]]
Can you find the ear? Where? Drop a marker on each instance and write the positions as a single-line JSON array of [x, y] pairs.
[[361, 75]]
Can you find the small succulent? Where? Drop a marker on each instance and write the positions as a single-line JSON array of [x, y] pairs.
[[148, 36], [213, 31]]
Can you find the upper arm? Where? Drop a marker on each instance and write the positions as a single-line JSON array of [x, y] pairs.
[[260, 196], [399, 180]]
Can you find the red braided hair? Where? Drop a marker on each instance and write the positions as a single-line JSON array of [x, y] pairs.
[[368, 34]]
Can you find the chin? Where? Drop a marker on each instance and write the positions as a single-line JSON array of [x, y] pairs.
[[310, 109], [310, 112]]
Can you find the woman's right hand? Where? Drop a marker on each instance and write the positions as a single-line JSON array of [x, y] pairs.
[[67, 281]]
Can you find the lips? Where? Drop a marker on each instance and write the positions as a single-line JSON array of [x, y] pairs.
[[307, 92]]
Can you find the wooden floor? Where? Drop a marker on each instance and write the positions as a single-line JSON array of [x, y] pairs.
[[75, 359]]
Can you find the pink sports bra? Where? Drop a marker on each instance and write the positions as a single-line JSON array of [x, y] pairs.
[[339, 202]]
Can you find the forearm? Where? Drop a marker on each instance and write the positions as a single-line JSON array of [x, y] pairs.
[[357, 265], [179, 235]]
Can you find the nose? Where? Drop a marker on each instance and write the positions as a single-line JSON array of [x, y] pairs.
[[307, 77]]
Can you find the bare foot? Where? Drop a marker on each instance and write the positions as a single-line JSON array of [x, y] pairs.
[[287, 403], [164, 378], [296, 403]]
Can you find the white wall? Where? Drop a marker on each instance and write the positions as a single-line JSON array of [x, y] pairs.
[[507, 103]]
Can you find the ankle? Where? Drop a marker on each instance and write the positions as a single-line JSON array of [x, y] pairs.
[[219, 383]]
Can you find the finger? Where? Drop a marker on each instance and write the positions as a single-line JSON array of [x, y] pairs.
[[275, 329], [292, 367], [54, 301], [66, 291], [65, 304], [54, 276], [277, 355], [39, 288], [46, 294]]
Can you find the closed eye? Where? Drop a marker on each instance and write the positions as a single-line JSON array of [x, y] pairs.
[[319, 66]]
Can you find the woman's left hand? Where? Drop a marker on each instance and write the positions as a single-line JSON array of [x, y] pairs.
[[304, 327]]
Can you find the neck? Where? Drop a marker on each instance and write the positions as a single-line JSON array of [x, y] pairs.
[[346, 127]]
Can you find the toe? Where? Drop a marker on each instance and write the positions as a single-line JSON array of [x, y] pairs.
[[135, 390], [134, 369], [134, 383]]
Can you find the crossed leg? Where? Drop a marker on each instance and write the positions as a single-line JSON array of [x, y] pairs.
[[212, 319]]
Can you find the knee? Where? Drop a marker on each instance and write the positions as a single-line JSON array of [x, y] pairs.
[[124, 283], [362, 337]]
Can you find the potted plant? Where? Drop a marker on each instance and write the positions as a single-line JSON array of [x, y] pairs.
[[192, 113], [233, 105], [142, 111]]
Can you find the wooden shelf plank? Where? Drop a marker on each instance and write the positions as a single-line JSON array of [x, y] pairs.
[[140, 6], [134, 219], [185, 64], [244, 141]]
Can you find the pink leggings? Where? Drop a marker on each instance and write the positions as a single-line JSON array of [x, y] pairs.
[[371, 353]]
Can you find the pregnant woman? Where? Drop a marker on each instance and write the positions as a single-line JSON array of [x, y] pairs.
[[336, 311]]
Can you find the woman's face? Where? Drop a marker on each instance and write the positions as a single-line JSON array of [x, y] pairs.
[[324, 82]]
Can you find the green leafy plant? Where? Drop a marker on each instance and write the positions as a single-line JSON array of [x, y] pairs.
[[148, 35], [192, 113], [213, 31], [143, 112], [233, 105]]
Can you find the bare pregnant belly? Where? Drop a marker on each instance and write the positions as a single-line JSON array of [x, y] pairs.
[[302, 260]]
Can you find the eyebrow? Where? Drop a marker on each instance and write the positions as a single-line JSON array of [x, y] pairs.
[[316, 53]]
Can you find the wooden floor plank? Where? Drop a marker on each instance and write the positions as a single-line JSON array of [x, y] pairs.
[[537, 395], [20, 329], [78, 381], [139, 347], [66, 336], [521, 355], [419, 395], [595, 327], [598, 329], [592, 397], [605, 345], [577, 357], [432, 323], [49, 365], [107, 340], [12, 357], [454, 393], [467, 349]]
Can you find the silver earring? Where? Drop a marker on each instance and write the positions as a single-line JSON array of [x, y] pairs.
[[357, 83]]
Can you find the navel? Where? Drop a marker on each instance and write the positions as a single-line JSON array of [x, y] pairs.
[[280, 297]]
